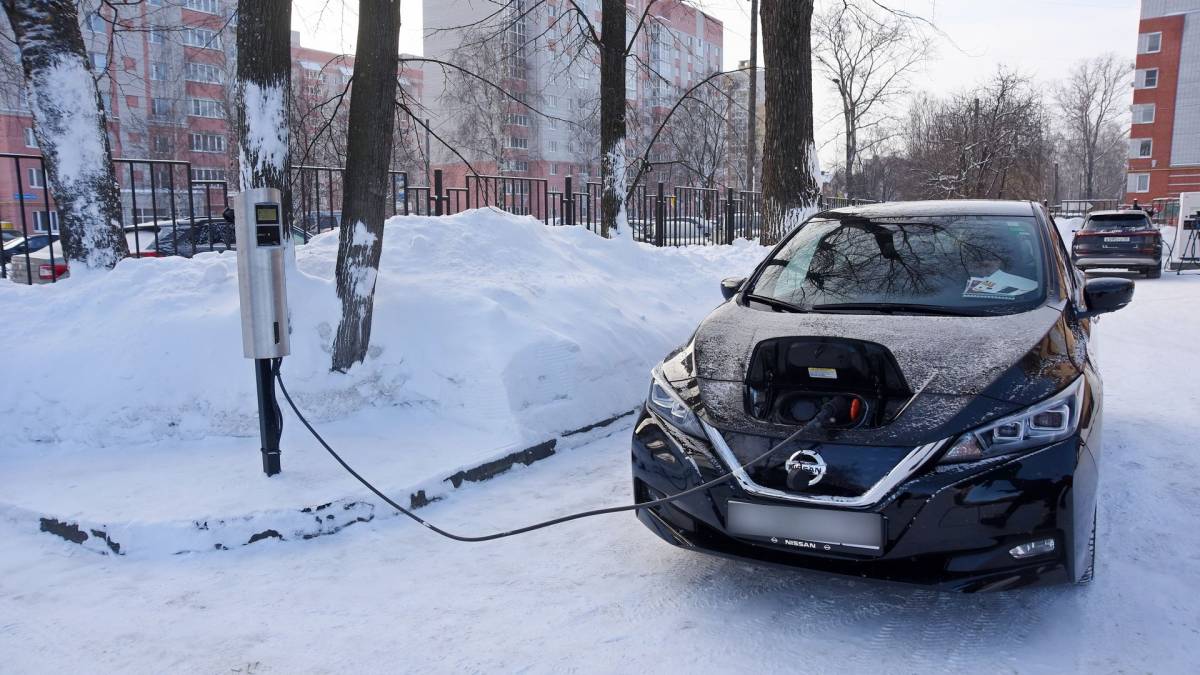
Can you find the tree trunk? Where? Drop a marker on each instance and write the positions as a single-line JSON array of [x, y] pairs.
[[71, 130], [264, 69], [364, 197], [789, 157], [752, 103], [612, 116], [851, 144]]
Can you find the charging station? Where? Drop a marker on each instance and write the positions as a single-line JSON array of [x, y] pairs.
[[1185, 251], [261, 249]]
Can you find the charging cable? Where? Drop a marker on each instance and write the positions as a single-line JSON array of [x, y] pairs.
[[827, 411]]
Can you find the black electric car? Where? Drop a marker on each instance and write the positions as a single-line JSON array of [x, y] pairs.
[[901, 391]]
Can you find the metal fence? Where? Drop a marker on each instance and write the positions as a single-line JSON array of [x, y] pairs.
[[165, 212], [160, 204]]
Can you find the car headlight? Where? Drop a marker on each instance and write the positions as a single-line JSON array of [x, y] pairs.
[[1047, 422], [665, 402]]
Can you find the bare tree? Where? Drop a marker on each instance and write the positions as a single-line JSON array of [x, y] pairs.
[[988, 142], [752, 99], [1091, 100], [868, 54], [789, 156], [71, 129], [368, 154]]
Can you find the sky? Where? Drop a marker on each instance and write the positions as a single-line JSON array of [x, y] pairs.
[[1040, 38]]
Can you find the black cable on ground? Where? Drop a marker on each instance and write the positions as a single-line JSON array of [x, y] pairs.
[[815, 422]]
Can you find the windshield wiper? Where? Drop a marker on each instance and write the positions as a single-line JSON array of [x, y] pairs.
[[777, 304], [895, 308]]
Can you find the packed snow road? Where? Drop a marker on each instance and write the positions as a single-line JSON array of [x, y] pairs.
[[605, 595]]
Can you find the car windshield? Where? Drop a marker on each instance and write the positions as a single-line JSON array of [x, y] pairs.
[[971, 265], [1117, 222]]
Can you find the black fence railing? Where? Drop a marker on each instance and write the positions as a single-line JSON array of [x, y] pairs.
[[165, 212]]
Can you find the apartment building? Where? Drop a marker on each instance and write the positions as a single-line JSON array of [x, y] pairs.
[[165, 70], [1164, 145], [541, 60]]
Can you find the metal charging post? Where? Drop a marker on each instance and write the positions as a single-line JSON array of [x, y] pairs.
[[261, 251]]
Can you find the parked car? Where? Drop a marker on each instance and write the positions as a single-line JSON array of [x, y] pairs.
[[1119, 239], [8, 235], [185, 237], [42, 267], [686, 230], [21, 245], [902, 391]]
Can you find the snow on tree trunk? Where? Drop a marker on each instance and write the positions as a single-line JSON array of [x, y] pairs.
[[264, 69], [71, 129], [364, 197], [612, 117], [789, 156]]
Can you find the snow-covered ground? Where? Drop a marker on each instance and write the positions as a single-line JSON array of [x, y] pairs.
[[492, 333], [605, 595]]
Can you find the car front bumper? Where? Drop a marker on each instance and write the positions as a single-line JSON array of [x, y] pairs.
[[950, 527]]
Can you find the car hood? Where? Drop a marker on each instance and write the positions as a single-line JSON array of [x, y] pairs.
[[964, 370]]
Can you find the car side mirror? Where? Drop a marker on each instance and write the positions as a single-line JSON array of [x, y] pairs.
[[227, 214], [1106, 294], [730, 286]]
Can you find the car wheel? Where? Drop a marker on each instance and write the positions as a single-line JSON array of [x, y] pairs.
[[1154, 272], [1090, 571]]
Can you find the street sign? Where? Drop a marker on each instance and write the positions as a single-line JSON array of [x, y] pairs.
[[28, 196]]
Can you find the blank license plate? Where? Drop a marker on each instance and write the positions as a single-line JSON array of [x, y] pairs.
[[1116, 239], [805, 529]]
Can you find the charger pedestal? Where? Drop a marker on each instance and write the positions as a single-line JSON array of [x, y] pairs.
[[258, 220]]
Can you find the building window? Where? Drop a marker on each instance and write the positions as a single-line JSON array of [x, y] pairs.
[[1141, 148], [518, 143], [1146, 78], [203, 173], [30, 138], [1143, 113], [156, 36], [551, 99], [37, 177], [206, 6], [201, 37], [204, 72], [1139, 182], [95, 23], [99, 61], [160, 108], [553, 123], [205, 107], [206, 142], [1150, 43], [518, 119], [43, 221], [163, 145], [552, 146], [553, 169], [158, 72]]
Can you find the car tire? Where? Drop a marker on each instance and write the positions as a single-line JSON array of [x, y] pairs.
[[1154, 272], [1089, 572]]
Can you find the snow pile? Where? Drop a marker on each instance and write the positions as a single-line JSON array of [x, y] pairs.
[[490, 321]]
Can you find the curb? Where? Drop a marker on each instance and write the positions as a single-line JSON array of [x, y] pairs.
[[138, 539]]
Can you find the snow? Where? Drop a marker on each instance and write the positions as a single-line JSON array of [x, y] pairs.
[[266, 132], [615, 183], [69, 128], [492, 330]]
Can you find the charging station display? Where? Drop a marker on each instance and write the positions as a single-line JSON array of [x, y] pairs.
[[268, 230]]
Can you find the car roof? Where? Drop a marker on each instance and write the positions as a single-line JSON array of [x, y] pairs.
[[1119, 212], [940, 207]]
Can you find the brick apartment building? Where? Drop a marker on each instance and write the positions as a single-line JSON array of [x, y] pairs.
[[1164, 157], [543, 67], [166, 83]]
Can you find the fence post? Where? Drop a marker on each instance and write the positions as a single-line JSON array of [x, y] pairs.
[[729, 215], [437, 192], [569, 207], [660, 214]]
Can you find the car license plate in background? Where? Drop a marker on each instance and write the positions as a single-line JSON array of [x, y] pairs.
[[805, 529], [1116, 239]]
